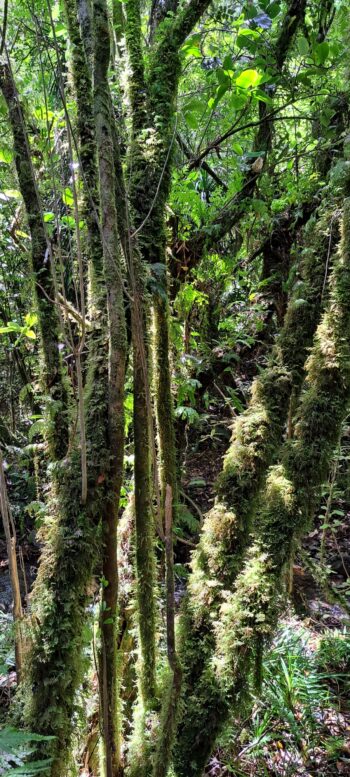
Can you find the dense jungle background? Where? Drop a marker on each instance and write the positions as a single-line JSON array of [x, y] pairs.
[[174, 388]]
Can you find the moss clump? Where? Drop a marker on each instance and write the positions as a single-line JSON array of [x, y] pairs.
[[320, 238]]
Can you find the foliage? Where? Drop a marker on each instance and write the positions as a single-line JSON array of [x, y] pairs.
[[15, 748]]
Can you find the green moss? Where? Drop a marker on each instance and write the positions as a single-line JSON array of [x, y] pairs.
[[257, 437], [248, 613]]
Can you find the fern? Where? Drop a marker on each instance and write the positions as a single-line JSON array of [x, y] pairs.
[[15, 748]]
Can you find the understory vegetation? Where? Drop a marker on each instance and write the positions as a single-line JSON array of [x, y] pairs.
[[174, 388]]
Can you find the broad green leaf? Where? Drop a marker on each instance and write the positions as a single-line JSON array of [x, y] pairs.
[[193, 51], [67, 196], [321, 52], [273, 9], [191, 120], [6, 156], [12, 194], [60, 30], [222, 78], [248, 79], [303, 46]]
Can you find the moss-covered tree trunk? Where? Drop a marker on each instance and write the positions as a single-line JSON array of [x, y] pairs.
[[116, 376], [80, 535], [256, 441], [42, 270], [248, 616], [143, 423]]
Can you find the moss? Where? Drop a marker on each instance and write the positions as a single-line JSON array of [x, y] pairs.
[[320, 238], [44, 288], [257, 438], [247, 614], [72, 545]]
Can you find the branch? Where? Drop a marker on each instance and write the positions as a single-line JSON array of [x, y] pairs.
[[233, 210], [204, 165], [187, 19]]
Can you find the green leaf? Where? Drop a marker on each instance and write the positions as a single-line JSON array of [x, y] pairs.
[[191, 120], [49, 216], [67, 196], [321, 52], [37, 428], [60, 30], [303, 46], [248, 79], [31, 319], [222, 78], [273, 9], [12, 194], [11, 327], [30, 769], [197, 483], [237, 148], [6, 156], [221, 90], [259, 206]]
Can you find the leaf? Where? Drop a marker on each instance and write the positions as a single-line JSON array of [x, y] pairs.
[[191, 120], [31, 319], [30, 769], [259, 206], [67, 196], [197, 483], [303, 46], [11, 738], [11, 327], [6, 156], [273, 9], [221, 90], [222, 77], [248, 79], [237, 148], [321, 52], [12, 194], [49, 216], [37, 428], [60, 30]]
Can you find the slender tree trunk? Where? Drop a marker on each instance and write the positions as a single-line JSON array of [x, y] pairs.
[[42, 269], [116, 377]]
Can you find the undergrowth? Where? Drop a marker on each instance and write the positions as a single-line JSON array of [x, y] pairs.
[[300, 719]]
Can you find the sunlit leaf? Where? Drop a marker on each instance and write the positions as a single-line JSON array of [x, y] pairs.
[[248, 79]]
